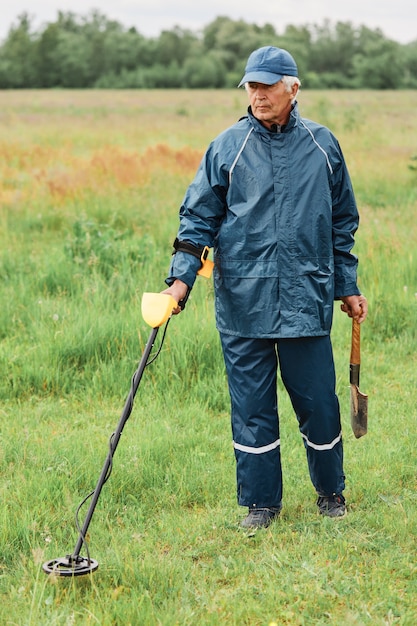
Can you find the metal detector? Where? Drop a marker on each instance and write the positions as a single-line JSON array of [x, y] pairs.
[[156, 311]]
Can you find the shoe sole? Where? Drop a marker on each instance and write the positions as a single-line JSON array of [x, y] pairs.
[[333, 516]]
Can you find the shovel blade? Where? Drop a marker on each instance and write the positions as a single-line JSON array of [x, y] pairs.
[[358, 411]]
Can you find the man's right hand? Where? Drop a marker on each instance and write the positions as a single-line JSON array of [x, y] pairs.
[[178, 290]]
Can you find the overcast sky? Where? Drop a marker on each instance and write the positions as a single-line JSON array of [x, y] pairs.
[[396, 18]]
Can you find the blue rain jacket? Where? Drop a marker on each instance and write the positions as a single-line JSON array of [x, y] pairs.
[[279, 210]]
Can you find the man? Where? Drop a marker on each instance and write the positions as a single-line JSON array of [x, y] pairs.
[[273, 197]]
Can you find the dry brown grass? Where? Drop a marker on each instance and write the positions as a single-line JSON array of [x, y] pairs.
[[36, 171]]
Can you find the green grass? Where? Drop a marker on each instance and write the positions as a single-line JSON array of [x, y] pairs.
[[87, 217]]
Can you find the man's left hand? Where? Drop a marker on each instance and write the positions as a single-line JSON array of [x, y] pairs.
[[355, 306]]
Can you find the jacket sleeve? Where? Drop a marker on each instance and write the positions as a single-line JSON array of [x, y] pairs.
[[201, 214], [345, 222]]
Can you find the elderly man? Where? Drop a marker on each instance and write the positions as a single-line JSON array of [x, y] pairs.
[[274, 199]]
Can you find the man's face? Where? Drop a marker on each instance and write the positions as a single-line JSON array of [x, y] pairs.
[[271, 104]]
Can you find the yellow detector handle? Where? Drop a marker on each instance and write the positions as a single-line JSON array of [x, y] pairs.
[[157, 308]]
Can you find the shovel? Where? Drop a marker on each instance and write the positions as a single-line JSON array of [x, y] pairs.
[[358, 400]]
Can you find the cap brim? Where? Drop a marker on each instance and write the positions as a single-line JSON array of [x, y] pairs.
[[266, 78]]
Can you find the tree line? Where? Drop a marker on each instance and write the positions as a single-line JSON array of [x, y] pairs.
[[93, 51]]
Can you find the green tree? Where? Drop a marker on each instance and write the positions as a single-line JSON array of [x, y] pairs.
[[125, 50], [378, 64], [175, 45], [163, 76], [47, 61], [332, 52], [17, 54], [236, 40], [409, 70], [205, 71], [73, 55]]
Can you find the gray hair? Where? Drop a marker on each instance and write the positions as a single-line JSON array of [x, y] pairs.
[[289, 82]]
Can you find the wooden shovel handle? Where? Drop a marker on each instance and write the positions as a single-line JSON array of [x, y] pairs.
[[355, 351]]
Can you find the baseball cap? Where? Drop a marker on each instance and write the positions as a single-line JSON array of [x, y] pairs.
[[268, 65]]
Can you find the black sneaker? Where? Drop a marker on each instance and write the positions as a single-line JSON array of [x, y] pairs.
[[332, 506], [260, 517]]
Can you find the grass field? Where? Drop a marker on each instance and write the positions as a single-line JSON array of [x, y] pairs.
[[90, 188]]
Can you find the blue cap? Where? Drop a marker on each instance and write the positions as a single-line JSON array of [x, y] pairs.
[[268, 65]]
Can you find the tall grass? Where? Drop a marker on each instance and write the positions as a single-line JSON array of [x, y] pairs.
[[90, 189]]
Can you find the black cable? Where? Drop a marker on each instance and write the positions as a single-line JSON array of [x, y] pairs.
[[160, 347]]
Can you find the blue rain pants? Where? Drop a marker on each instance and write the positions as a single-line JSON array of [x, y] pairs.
[[308, 374]]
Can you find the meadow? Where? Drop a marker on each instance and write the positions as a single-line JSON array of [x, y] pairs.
[[90, 186]]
